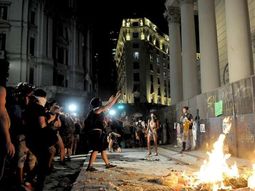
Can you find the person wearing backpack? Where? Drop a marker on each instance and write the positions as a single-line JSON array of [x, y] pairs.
[[95, 124]]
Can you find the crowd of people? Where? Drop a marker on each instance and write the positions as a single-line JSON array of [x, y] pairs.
[[33, 131]]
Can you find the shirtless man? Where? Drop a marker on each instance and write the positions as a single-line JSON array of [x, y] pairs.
[[6, 146], [152, 128]]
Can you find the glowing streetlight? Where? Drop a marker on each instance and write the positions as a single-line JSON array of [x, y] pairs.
[[120, 107], [72, 107], [112, 112]]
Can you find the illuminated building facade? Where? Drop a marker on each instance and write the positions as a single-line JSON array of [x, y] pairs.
[[47, 46], [142, 60]]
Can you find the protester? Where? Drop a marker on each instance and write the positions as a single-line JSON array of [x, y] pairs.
[[6, 146], [152, 128], [95, 124], [22, 94], [186, 122], [40, 136], [77, 132]]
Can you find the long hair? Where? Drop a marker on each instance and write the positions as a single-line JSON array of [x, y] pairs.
[[4, 72]]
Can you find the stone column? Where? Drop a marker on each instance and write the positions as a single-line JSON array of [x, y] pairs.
[[209, 63], [189, 62], [238, 41], [172, 15]]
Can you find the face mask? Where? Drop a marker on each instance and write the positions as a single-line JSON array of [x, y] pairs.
[[41, 100]]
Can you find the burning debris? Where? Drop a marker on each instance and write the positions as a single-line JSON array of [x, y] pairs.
[[215, 174]]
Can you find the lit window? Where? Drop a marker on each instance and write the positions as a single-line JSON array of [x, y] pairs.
[[128, 37], [136, 55], [151, 58], [142, 36], [154, 41], [141, 22], [157, 59]]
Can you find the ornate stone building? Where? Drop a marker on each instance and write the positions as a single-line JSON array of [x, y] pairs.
[[226, 35], [47, 46], [143, 63]]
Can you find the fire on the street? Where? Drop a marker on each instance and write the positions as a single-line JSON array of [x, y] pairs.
[[215, 174]]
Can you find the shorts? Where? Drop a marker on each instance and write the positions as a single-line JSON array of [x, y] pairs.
[[24, 154], [98, 140], [152, 134]]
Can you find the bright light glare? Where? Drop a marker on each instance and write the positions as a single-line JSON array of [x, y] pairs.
[[72, 107], [120, 106], [112, 112]]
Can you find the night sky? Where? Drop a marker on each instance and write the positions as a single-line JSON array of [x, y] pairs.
[[105, 16]]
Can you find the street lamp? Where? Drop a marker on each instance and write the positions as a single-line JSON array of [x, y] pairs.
[[72, 107], [112, 112]]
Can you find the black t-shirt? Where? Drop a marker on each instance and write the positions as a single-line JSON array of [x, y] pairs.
[[94, 121], [32, 114]]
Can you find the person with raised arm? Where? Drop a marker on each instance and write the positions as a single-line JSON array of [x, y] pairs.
[[95, 124]]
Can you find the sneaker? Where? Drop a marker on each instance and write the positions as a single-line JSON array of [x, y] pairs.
[[149, 154], [110, 166], [91, 169], [156, 154]]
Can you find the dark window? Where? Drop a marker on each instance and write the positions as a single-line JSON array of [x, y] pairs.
[[136, 88], [151, 67], [60, 30], [151, 78], [135, 45], [60, 80], [135, 24], [3, 12], [137, 99], [152, 88], [32, 17], [135, 34], [32, 47], [158, 70], [66, 51], [31, 76], [136, 65], [159, 91], [158, 80], [2, 41], [136, 77], [60, 55]]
